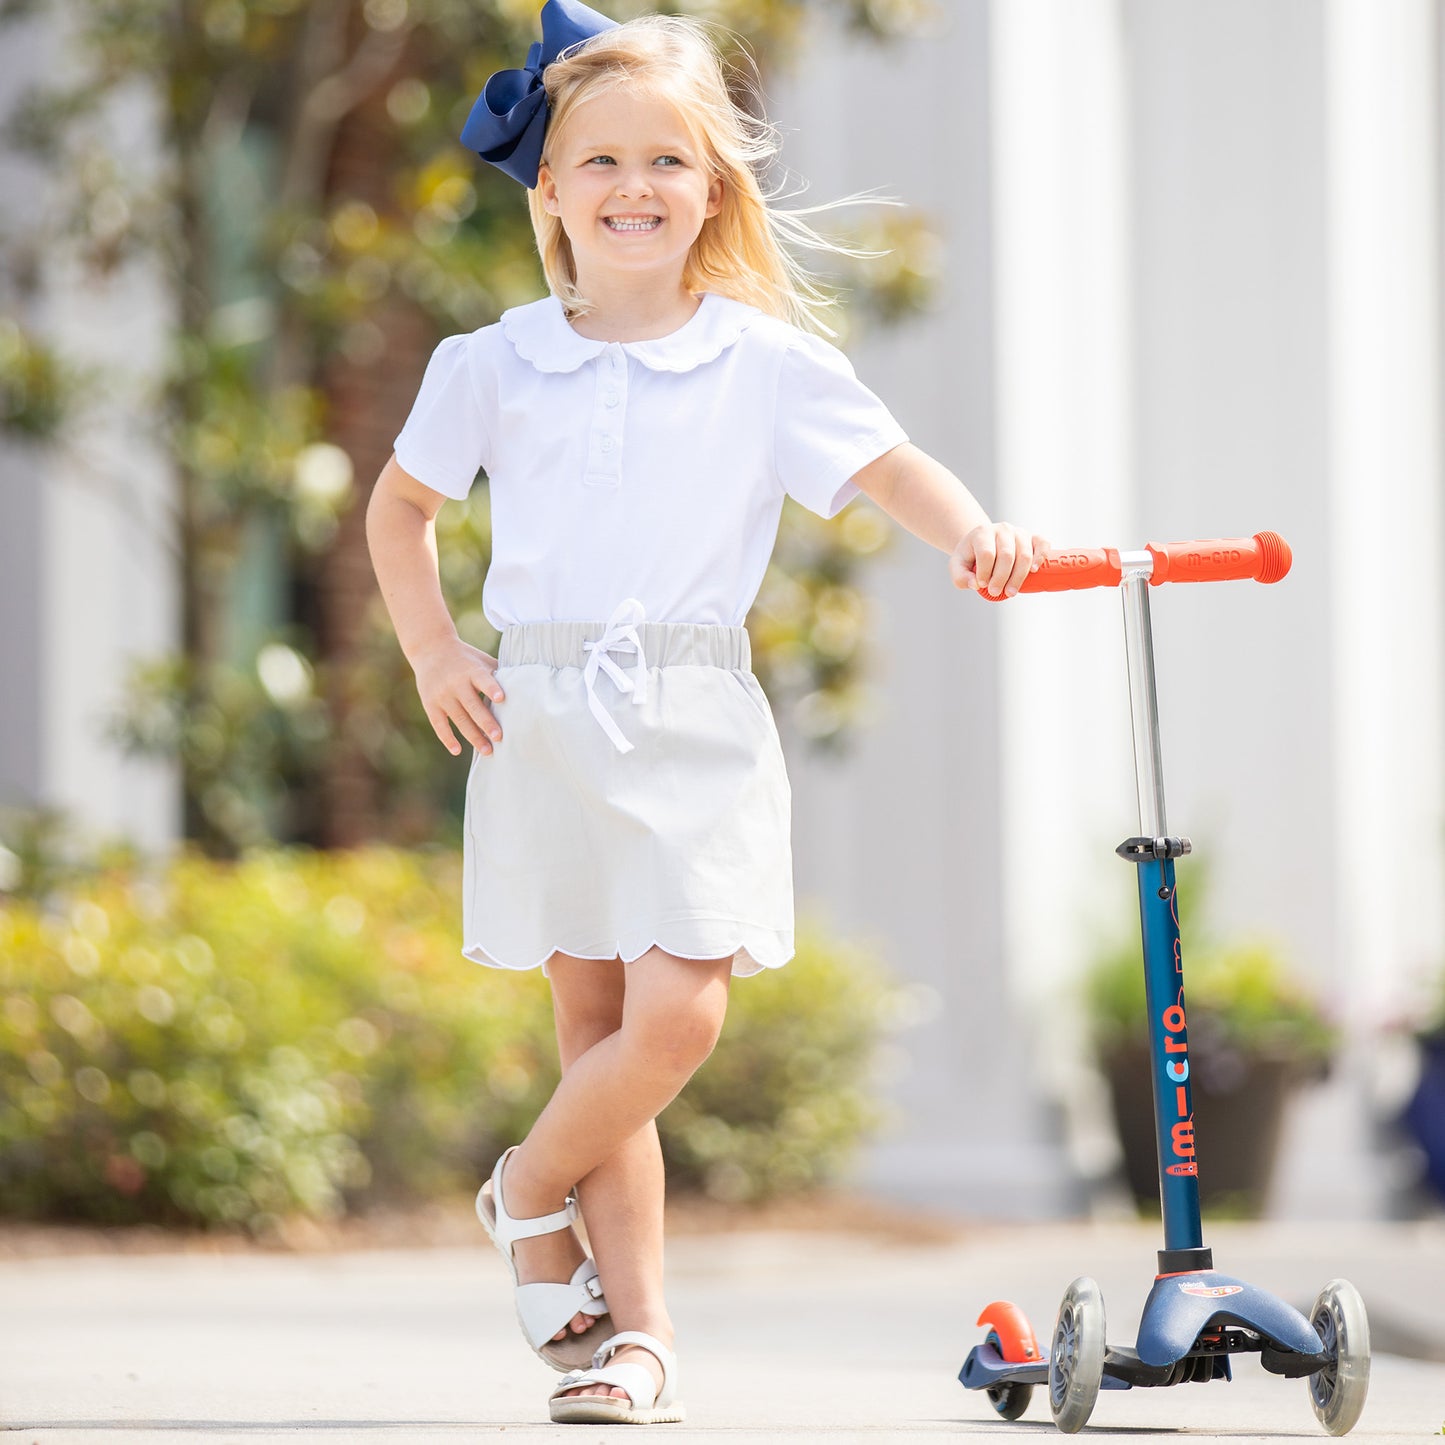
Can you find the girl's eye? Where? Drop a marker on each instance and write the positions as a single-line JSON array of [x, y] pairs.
[[668, 161], [606, 160]]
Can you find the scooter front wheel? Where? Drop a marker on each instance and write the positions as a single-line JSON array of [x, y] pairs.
[[1076, 1361], [1338, 1391]]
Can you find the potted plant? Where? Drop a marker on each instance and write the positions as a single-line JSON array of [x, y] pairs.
[[1255, 1035]]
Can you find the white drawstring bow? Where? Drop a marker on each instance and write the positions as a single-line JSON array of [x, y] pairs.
[[621, 635]]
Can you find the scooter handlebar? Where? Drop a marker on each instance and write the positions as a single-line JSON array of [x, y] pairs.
[[1264, 557]]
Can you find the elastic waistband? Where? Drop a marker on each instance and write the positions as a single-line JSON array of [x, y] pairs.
[[665, 644]]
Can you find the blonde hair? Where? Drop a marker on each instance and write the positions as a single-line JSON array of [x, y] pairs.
[[745, 250]]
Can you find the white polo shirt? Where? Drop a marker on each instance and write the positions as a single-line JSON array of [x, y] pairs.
[[646, 469]]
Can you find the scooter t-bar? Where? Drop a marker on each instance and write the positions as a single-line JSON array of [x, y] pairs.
[[1265, 557]]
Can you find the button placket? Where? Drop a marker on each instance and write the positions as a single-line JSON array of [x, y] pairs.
[[609, 413]]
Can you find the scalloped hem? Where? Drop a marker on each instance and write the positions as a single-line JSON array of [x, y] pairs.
[[757, 950]]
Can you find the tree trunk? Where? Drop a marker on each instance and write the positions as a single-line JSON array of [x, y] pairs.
[[369, 393]]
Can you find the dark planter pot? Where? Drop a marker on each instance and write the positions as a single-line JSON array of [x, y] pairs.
[[1424, 1116], [1239, 1104]]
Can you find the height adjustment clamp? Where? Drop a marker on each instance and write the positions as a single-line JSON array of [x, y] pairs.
[[1152, 850]]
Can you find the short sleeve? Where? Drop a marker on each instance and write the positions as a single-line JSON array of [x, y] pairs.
[[446, 440], [827, 426]]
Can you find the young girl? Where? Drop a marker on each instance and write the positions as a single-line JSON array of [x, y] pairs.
[[627, 818]]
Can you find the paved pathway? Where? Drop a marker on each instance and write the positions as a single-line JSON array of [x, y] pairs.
[[783, 1336]]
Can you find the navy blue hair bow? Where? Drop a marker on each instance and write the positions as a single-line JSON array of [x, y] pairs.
[[509, 119]]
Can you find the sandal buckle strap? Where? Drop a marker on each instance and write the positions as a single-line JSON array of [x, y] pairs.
[[516, 1229], [651, 1343], [510, 1227]]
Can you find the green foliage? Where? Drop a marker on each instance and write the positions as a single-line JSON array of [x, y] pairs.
[[897, 271], [42, 852], [809, 625], [227, 1044], [1240, 995], [250, 750], [35, 386]]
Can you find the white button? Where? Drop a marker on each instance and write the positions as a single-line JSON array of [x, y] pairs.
[[610, 398], [607, 444]]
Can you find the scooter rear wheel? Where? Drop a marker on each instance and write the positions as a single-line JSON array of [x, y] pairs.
[[1010, 1400], [1338, 1391], [1076, 1361]]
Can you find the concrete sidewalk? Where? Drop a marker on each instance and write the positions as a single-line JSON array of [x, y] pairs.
[[782, 1336]]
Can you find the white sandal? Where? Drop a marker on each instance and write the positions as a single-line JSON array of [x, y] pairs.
[[648, 1405], [544, 1308]]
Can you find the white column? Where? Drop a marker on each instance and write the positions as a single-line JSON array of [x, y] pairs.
[[898, 837], [1063, 417], [108, 569], [1385, 419]]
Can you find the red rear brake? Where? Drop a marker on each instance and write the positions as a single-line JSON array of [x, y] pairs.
[[1016, 1342]]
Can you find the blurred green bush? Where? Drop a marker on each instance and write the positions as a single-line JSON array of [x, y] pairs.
[[224, 1044]]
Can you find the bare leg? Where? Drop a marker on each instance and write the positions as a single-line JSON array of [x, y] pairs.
[[587, 1003], [598, 1127]]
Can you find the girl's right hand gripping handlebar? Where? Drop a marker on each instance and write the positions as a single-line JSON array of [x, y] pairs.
[[1265, 557]]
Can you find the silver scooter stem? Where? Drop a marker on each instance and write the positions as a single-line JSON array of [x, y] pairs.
[[1137, 568]]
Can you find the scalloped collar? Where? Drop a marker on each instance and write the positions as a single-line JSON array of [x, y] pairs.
[[541, 334]]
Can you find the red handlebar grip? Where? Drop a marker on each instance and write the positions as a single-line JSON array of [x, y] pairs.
[[1265, 557], [1068, 571]]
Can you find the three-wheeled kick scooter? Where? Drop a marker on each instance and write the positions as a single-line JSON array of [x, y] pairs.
[[1195, 1318]]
